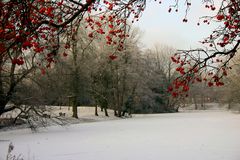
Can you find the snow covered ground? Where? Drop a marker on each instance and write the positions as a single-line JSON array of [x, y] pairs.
[[85, 114], [201, 135]]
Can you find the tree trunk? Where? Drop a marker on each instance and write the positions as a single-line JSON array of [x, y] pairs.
[[203, 102], [6, 97], [195, 102], [96, 112], [118, 94], [123, 113], [119, 112], [75, 115], [229, 105], [75, 83], [2, 95], [176, 110], [74, 107], [115, 112], [124, 78], [106, 112]]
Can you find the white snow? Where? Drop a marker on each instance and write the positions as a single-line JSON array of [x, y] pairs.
[[204, 135]]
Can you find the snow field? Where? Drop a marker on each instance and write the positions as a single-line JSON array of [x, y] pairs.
[[205, 135]]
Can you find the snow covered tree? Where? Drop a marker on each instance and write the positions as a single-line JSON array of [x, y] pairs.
[[31, 30]]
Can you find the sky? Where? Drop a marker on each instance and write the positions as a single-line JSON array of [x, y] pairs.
[[159, 27]]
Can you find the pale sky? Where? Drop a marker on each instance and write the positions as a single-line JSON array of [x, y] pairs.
[[160, 27]]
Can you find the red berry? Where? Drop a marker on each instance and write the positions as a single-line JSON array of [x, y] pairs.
[[220, 17], [112, 57]]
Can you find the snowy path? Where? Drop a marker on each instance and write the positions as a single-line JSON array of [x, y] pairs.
[[211, 135]]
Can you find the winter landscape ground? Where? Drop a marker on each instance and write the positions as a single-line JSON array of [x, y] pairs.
[[195, 135]]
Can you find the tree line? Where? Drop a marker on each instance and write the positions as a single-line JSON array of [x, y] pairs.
[[93, 74]]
